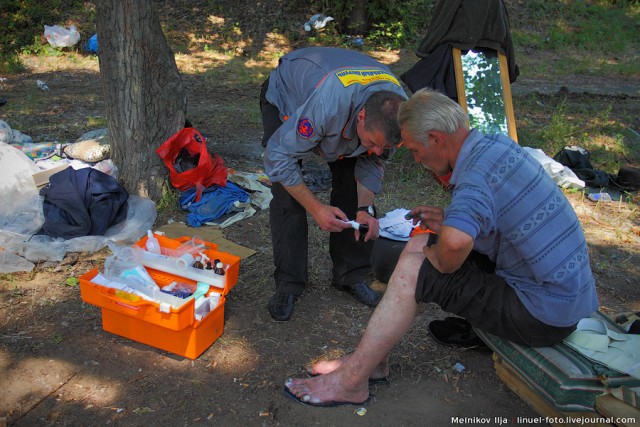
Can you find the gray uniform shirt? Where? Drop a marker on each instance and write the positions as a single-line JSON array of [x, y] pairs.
[[319, 92]]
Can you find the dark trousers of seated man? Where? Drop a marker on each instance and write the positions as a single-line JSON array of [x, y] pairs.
[[289, 226], [477, 294]]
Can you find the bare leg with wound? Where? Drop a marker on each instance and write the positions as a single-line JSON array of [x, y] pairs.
[[349, 382]]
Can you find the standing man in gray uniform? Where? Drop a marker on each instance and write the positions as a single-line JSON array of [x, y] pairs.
[[341, 105]]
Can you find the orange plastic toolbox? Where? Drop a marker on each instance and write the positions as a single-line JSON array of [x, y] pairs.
[[177, 331]]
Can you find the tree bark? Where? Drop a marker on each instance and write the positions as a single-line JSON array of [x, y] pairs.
[[359, 23], [144, 97]]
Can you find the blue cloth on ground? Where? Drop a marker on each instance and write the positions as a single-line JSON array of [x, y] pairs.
[[215, 202]]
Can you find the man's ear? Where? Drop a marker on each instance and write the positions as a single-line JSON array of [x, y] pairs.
[[361, 114], [435, 136]]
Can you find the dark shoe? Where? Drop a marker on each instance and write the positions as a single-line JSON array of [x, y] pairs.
[[455, 331], [362, 292], [281, 306]]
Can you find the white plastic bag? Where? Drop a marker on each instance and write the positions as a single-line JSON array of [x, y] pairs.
[[21, 210], [6, 133], [61, 37], [561, 175]]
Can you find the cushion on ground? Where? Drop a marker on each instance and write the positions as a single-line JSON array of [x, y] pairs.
[[561, 375]]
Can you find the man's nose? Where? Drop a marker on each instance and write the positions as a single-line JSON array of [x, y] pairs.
[[378, 150]]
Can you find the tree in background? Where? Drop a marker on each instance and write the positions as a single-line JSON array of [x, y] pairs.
[[388, 23], [144, 97]]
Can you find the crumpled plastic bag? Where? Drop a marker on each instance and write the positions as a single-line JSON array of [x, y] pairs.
[[561, 175], [92, 147], [19, 251], [6, 133], [11, 263], [92, 44], [317, 22], [209, 169], [21, 211], [61, 37]]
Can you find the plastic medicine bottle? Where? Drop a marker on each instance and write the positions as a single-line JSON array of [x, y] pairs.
[[153, 245]]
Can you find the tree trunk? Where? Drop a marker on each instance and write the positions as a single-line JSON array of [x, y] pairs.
[[144, 96], [358, 18]]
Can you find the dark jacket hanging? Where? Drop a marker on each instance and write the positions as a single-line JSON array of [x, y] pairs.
[[465, 24]]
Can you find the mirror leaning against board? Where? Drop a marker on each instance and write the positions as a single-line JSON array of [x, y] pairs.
[[484, 91]]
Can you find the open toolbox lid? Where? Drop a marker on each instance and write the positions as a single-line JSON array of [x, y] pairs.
[[210, 250]]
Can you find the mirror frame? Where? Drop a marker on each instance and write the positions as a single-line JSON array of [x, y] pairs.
[[506, 89]]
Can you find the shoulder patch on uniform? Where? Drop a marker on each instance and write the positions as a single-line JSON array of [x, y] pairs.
[[305, 127]]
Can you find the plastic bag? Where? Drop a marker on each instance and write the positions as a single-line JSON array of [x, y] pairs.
[[18, 249], [61, 37], [209, 170], [92, 44], [6, 133], [11, 263], [22, 211]]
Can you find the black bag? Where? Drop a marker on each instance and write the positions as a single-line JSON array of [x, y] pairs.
[[574, 157], [577, 159]]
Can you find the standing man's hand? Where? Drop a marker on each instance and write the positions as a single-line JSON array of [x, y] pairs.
[[373, 224], [366, 198], [330, 218], [326, 216]]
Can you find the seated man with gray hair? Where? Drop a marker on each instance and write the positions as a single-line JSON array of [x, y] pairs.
[[510, 257]]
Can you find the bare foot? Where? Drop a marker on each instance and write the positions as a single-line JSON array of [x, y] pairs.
[[326, 366], [329, 389]]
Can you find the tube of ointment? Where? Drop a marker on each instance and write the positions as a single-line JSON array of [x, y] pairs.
[[355, 225]]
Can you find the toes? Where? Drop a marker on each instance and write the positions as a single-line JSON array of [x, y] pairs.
[[297, 388]]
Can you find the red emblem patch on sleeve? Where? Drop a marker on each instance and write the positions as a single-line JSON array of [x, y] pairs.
[[305, 127]]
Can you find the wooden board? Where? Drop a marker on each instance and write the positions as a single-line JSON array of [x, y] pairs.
[[623, 414]]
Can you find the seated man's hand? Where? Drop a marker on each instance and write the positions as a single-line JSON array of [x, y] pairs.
[[371, 222], [429, 217], [329, 218]]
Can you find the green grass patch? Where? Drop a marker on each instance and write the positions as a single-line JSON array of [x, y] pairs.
[[94, 122], [169, 199], [551, 123], [7, 277], [235, 72], [408, 184], [10, 64], [588, 37]]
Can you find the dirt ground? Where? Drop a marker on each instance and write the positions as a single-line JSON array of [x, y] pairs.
[[60, 368]]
